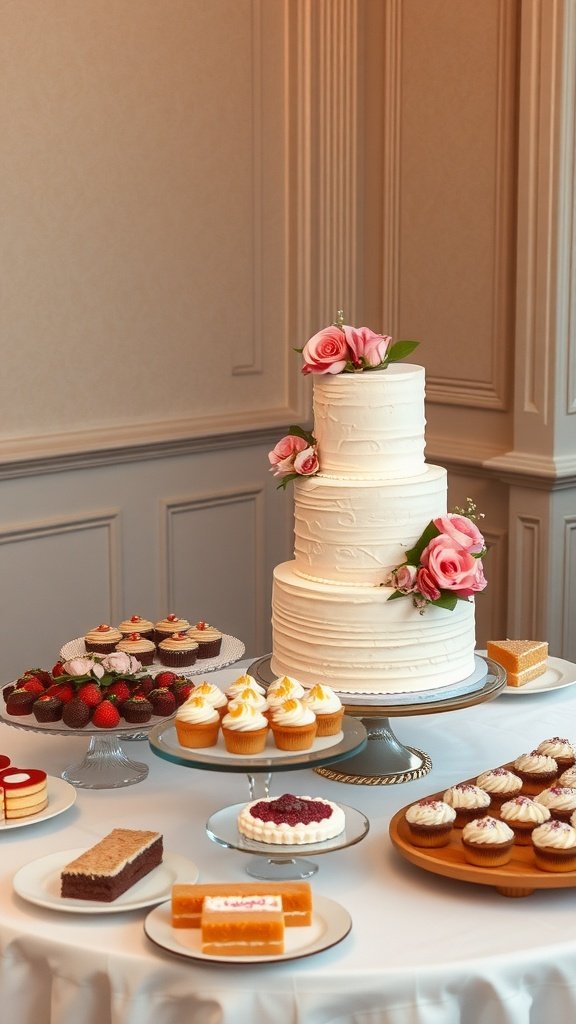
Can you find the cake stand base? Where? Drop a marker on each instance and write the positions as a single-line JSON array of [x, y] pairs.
[[385, 761], [281, 869], [105, 766]]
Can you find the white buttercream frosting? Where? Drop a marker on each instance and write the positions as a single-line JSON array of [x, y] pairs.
[[196, 710], [286, 685], [250, 696], [293, 712], [466, 796], [555, 835], [210, 692], [430, 812], [558, 798], [556, 746], [243, 717], [241, 683], [568, 778], [487, 831], [524, 810], [322, 700], [535, 763], [499, 781]]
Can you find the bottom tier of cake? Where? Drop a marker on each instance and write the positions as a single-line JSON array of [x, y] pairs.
[[357, 641]]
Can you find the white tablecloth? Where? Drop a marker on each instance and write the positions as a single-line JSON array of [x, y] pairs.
[[422, 950]]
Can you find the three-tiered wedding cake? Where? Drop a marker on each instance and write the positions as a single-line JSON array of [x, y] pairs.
[[373, 497]]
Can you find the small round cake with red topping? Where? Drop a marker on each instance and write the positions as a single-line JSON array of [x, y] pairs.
[[139, 647], [290, 820], [136, 624], [178, 651], [102, 639], [171, 624], [208, 638]]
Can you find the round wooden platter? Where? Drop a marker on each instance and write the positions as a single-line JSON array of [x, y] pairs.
[[520, 877]]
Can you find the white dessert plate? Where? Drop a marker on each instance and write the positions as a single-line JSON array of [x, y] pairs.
[[61, 796], [39, 883], [231, 651], [558, 674], [330, 924]]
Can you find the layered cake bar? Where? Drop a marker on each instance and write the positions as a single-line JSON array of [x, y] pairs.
[[23, 792], [523, 660], [112, 866], [242, 925], [188, 900]]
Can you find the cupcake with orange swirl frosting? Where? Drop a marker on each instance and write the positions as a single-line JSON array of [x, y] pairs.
[[244, 729], [136, 624], [327, 707], [293, 725], [171, 624], [139, 646], [197, 723], [208, 638], [213, 694], [283, 688], [102, 639]]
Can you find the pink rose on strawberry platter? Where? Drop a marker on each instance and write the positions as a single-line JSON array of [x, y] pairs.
[[119, 661], [451, 567], [365, 345], [462, 530], [306, 462], [83, 667], [326, 352], [404, 579]]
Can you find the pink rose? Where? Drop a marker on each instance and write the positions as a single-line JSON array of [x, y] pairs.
[[478, 584], [462, 530], [326, 352], [450, 566], [404, 579], [306, 462], [119, 661], [83, 667], [427, 584], [287, 448], [367, 348]]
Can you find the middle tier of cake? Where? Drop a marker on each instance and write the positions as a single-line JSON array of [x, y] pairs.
[[354, 639]]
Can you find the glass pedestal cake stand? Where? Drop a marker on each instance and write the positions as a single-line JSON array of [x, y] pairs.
[[386, 761], [271, 862], [105, 764]]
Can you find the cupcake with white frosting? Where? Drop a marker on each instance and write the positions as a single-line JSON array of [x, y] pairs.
[[213, 694], [244, 729], [554, 845], [501, 784], [293, 725], [563, 752], [523, 815], [197, 723], [568, 778], [560, 801], [250, 696], [282, 689], [430, 822], [468, 800], [327, 707], [241, 683], [487, 842], [536, 770]]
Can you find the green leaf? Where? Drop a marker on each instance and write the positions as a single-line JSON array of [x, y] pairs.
[[286, 480], [446, 600], [300, 350], [297, 431], [399, 350], [396, 594], [413, 555]]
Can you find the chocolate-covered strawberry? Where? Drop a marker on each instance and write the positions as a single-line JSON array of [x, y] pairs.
[[20, 702], [137, 710], [163, 701], [47, 708], [76, 714], [144, 684], [182, 688]]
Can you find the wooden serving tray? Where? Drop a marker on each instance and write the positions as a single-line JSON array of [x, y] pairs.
[[520, 877]]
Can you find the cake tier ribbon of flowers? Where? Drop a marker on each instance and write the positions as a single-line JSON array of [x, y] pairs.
[[445, 564]]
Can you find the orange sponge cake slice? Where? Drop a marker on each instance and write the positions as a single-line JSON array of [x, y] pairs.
[[242, 925], [523, 659], [187, 900]]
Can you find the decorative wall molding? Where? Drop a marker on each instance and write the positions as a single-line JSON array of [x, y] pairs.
[[569, 589], [524, 598], [173, 507], [489, 624], [392, 177], [107, 520]]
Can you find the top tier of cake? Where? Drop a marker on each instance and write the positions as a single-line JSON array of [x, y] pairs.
[[372, 431]]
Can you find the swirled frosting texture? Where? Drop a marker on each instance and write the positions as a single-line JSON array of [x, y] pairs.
[[243, 717], [558, 798], [293, 713], [524, 810], [499, 781], [557, 747], [535, 763], [487, 831], [204, 633], [197, 711], [241, 683], [322, 700], [466, 796], [213, 694], [430, 812], [555, 835]]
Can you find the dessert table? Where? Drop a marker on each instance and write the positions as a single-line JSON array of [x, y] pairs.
[[423, 949]]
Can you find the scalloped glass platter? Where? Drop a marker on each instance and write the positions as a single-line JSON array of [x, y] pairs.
[[29, 723], [324, 750], [61, 796], [231, 651], [39, 883], [558, 674], [330, 924]]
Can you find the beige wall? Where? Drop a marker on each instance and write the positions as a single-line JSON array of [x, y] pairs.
[[189, 189]]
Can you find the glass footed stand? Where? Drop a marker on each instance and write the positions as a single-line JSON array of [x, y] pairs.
[[105, 764], [276, 863]]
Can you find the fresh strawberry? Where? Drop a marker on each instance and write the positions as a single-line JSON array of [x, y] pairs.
[[58, 670], [106, 715], [165, 678], [91, 694], [119, 689], [33, 685], [63, 690]]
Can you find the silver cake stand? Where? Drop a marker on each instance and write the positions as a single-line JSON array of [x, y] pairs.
[[385, 761]]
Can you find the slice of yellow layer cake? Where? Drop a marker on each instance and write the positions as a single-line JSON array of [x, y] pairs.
[[523, 659]]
